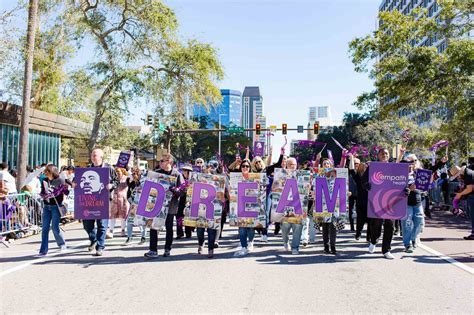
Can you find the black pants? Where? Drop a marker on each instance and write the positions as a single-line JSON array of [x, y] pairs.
[[362, 220], [329, 234], [352, 202], [169, 234], [376, 231], [211, 237]]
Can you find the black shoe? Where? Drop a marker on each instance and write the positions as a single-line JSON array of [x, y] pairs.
[[167, 253], [179, 237], [92, 246], [326, 249], [357, 236], [469, 238], [216, 245], [333, 250]]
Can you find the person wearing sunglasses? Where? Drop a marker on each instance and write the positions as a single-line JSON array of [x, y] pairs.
[[246, 234]]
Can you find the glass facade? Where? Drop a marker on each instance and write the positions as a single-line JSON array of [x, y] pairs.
[[230, 108], [43, 147]]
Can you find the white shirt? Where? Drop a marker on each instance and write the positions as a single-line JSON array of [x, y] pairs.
[[9, 181]]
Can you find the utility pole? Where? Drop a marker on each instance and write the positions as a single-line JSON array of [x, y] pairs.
[[25, 117]]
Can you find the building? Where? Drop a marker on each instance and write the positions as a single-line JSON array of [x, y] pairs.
[[229, 110], [253, 112], [45, 134], [323, 115]]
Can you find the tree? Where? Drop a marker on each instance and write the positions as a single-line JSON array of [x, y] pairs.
[[417, 78], [25, 117]]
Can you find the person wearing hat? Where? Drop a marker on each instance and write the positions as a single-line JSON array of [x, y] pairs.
[[467, 176], [185, 171], [415, 220]]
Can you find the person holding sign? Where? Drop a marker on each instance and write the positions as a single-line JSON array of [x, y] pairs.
[[412, 225], [120, 205]]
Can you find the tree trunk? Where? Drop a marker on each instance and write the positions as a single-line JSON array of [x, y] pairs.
[[25, 117]]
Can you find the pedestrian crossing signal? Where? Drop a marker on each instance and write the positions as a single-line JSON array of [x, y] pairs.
[[258, 129], [284, 129]]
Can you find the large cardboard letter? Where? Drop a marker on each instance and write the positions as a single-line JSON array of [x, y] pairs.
[[291, 185], [197, 200], [242, 199], [146, 208], [322, 191]]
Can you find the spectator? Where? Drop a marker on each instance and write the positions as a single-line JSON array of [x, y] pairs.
[[7, 178]]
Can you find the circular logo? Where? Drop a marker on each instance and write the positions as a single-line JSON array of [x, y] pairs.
[[377, 178], [85, 213]]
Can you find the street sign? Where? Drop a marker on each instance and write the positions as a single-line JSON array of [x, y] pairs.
[[272, 127], [300, 129], [235, 129]]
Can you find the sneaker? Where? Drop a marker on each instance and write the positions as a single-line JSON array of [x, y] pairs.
[[414, 244], [109, 235], [357, 236], [128, 241], [469, 237], [167, 253], [333, 250], [123, 234], [286, 246], [199, 250], [371, 248], [326, 249], [216, 244], [210, 253], [242, 252], [40, 255], [388, 255], [295, 252], [142, 240], [409, 249], [250, 246], [99, 252], [305, 243], [151, 254], [92, 246], [264, 239], [64, 249]]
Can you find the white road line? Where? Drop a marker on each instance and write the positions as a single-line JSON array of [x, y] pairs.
[[36, 260], [448, 259]]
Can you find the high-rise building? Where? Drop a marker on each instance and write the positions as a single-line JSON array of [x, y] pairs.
[[229, 110], [252, 111]]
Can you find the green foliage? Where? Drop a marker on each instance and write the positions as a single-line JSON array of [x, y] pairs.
[[419, 79]]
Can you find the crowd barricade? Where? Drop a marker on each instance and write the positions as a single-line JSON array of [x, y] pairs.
[[20, 215]]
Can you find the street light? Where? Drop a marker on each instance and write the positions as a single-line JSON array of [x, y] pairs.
[[220, 115]]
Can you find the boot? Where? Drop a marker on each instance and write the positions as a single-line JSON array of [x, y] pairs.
[[326, 248]]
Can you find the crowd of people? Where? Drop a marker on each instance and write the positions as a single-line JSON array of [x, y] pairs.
[[125, 184]]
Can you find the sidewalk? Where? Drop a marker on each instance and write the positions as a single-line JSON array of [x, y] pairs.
[[444, 233]]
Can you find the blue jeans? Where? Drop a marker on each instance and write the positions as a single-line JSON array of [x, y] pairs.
[[470, 206], [130, 229], [244, 234], [51, 213], [413, 224], [285, 233], [211, 237], [96, 235]]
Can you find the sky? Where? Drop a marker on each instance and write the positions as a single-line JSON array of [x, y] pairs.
[[296, 51]]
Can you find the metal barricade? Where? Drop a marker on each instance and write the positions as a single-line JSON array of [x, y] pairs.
[[20, 215]]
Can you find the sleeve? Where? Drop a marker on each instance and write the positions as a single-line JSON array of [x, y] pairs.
[[271, 168]]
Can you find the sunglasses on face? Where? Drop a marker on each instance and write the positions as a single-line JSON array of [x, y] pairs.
[[245, 166], [198, 162]]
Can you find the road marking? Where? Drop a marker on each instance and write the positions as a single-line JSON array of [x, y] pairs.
[[36, 260], [448, 259]]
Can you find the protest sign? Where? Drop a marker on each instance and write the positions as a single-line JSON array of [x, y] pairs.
[[331, 196], [91, 197], [204, 200], [258, 148], [387, 198], [123, 159], [423, 179], [248, 200], [290, 192]]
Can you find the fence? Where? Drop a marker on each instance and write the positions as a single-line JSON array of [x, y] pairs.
[[20, 214]]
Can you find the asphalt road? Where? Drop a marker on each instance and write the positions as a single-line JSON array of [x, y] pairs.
[[269, 280]]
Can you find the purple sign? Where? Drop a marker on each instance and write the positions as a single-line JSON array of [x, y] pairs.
[[91, 196], [330, 200], [152, 199], [208, 201], [423, 179], [258, 148], [123, 159], [291, 185], [197, 169], [387, 198], [243, 199]]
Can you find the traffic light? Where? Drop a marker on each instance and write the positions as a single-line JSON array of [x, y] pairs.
[[258, 129], [316, 128], [149, 119], [156, 123], [284, 128]]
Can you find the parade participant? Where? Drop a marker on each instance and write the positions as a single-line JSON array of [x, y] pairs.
[[134, 188], [286, 226], [120, 205], [53, 191], [246, 234], [185, 171], [328, 228], [258, 166], [166, 167], [375, 224], [270, 169], [467, 176], [415, 220], [97, 235], [357, 171], [200, 164]]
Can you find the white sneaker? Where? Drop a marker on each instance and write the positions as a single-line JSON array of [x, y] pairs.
[[109, 235], [250, 246], [389, 255], [242, 252], [64, 249], [295, 252], [371, 248], [286, 246], [264, 238]]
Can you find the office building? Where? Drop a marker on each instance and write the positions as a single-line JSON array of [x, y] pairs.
[[229, 110]]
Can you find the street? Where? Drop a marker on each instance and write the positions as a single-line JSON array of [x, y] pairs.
[[269, 280]]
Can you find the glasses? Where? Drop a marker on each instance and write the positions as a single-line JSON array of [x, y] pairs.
[[162, 161], [198, 162], [258, 161], [245, 166]]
